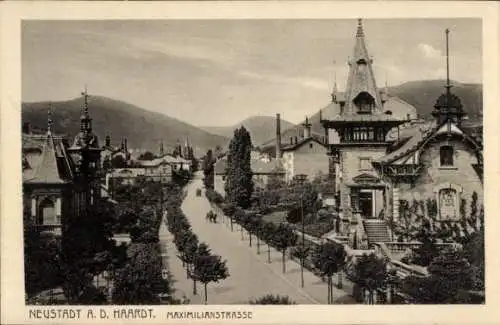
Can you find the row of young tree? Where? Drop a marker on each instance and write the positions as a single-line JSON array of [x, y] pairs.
[[280, 237], [201, 264], [369, 273], [140, 208]]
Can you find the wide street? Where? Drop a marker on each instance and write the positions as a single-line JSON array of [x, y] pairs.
[[250, 274]]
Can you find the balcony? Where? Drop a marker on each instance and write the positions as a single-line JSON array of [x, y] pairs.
[[54, 229], [406, 170]]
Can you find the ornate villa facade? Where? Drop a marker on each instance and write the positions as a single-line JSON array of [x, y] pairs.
[[382, 156]]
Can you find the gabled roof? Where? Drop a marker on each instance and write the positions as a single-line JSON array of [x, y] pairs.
[[174, 160], [53, 167], [300, 143], [258, 167], [261, 167], [128, 172], [420, 134]]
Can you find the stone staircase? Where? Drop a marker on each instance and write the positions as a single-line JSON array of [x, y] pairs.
[[376, 231]]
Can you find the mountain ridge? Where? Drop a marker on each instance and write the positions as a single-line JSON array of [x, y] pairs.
[[142, 128], [145, 129], [260, 127]]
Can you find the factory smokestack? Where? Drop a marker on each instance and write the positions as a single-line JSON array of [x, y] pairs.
[[278, 137]]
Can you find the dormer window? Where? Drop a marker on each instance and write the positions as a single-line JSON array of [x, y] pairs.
[[446, 156], [364, 103]]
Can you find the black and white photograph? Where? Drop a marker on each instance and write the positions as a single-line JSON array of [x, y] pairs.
[[260, 162]]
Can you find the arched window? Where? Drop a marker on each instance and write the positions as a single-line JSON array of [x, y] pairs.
[[47, 215], [446, 155]]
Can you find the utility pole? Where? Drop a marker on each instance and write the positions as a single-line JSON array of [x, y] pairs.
[[302, 255]]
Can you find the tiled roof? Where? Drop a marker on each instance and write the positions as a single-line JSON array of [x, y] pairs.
[[331, 110], [174, 160], [411, 138], [128, 172], [361, 77], [301, 142], [418, 134], [52, 167], [399, 108], [258, 167], [353, 117]]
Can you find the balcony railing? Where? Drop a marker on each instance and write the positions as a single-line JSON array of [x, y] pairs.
[[54, 228]]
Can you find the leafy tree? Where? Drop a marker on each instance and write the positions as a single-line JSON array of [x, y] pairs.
[[146, 156], [329, 259], [257, 228], [268, 232], [208, 169], [91, 238], [450, 275], [177, 151], [146, 228], [118, 161], [271, 299], [370, 273], [239, 184], [284, 237], [194, 161], [427, 251], [140, 281], [41, 259], [301, 252], [209, 268]]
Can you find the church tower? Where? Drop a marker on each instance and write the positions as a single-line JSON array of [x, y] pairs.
[[86, 154], [360, 127]]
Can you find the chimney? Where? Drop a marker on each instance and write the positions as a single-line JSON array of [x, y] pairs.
[[307, 129], [278, 137], [27, 128]]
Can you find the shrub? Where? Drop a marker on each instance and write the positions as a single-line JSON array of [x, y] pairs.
[[271, 299]]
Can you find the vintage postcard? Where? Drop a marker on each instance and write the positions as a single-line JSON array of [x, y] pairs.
[[256, 162]]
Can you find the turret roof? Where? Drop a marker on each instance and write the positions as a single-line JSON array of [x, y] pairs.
[[361, 77], [51, 167]]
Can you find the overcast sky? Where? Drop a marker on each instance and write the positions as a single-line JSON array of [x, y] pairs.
[[222, 71]]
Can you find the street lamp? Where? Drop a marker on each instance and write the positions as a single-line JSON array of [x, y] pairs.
[[301, 179]]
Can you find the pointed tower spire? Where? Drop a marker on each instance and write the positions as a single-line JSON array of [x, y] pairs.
[[359, 31], [386, 85], [85, 120], [334, 90], [47, 170], [448, 106], [448, 85], [49, 119], [361, 90], [307, 128]]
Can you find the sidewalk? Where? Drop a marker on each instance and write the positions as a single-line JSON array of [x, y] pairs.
[[182, 285], [314, 287]]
